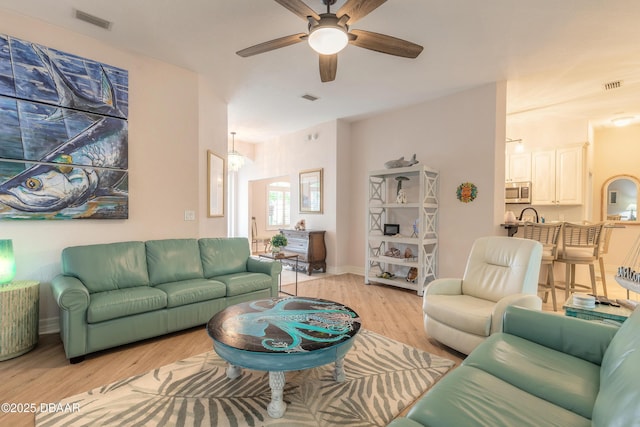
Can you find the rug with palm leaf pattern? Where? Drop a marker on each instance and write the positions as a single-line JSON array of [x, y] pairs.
[[383, 377]]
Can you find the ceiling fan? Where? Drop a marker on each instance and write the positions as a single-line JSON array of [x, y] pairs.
[[328, 33]]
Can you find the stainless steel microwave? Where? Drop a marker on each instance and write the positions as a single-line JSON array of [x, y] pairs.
[[517, 192]]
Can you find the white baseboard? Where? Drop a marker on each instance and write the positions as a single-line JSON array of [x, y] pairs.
[[352, 269], [49, 326]]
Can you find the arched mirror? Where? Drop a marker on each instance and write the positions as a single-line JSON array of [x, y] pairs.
[[619, 199]]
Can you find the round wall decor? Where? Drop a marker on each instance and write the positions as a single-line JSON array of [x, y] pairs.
[[467, 192]]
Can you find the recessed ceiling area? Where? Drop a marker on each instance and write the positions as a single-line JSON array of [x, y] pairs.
[[557, 56]]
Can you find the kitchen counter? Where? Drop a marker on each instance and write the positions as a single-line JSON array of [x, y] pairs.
[[512, 227]]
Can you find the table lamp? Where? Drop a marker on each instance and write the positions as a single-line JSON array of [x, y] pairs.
[[7, 262]]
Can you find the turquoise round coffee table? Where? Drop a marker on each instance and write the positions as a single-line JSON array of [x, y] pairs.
[[283, 334]]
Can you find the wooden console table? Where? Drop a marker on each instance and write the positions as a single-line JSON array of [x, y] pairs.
[[309, 246]]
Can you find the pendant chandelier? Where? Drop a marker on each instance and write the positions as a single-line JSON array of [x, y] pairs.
[[235, 159]]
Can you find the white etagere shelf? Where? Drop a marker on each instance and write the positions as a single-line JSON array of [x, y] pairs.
[[422, 203]]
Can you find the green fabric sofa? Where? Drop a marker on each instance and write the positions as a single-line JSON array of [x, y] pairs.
[[117, 293], [542, 370]]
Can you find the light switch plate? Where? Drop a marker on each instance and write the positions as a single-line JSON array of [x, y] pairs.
[[189, 215]]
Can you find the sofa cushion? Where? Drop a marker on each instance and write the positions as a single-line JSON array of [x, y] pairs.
[[173, 260], [192, 291], [107, 267], [475, 318], [557, 377], [243, 283], [224, 256], [468, 396], [617, 402], [124, 302]]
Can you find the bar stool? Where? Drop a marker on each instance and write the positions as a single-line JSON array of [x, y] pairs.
[[580, 246], [548, 235], [604, 249], [255, 239]]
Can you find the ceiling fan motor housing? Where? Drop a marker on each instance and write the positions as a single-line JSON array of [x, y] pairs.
[[329, 35]]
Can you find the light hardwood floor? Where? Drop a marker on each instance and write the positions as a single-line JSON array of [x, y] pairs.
[[45, 376]]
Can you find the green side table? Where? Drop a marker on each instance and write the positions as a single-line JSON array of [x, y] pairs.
[[19, 316], [600, 312]]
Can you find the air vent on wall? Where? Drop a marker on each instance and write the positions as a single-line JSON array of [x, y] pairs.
[[613, 85], [309, 97], [92, 19]]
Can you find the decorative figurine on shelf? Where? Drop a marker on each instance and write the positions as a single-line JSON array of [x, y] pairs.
[[412, 275], [393, 252], [408, 253], [301, 225], [401, 195], [415, 228], [401, 163], [277, 242]]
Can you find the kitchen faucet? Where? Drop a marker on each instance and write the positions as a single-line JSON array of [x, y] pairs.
[[533, 209]]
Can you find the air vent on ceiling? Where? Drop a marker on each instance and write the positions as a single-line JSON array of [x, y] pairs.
[[309, 97], [92, 19], [613, 85]]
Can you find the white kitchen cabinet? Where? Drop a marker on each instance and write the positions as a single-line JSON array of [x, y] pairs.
[[417, 220], [557, 176], [518, 167]]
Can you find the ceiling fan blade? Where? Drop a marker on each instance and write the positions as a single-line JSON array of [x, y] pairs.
[[328, 67], [385, 44], [299, 8], [358, 9], [272, 45]]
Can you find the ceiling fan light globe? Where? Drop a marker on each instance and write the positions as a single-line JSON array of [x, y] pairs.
[[328, 40]]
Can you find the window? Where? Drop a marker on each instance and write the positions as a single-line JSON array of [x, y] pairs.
[[279, 205]]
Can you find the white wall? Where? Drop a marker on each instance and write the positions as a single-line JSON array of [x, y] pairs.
[[212, 136], [616, 152], [287, 156], [166, 160], [344, 208], [456, 135], [461, 135]]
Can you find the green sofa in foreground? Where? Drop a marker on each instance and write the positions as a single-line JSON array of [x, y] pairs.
[[542, 370], [117, 293]]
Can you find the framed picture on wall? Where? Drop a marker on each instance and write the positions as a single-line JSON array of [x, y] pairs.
[[613, 197], [215, 184], [311, 191]]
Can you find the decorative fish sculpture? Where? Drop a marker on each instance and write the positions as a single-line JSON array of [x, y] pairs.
[[401, 163]]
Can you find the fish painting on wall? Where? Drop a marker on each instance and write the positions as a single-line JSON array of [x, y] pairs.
[[63, 135]]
